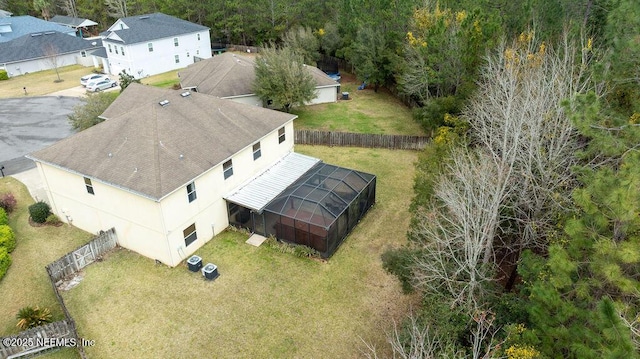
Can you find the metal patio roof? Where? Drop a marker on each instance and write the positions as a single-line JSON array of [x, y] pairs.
[[256, 193]]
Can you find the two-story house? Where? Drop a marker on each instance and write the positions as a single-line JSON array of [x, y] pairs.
[[150, 44], [170, 169]]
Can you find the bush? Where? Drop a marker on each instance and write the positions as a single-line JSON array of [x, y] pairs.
[[4, 75], [29, 317], [431, 115], [8, 202], [39, 211], [3, 217], [5, 261], [7, 238], [398, 262], [53, 220]]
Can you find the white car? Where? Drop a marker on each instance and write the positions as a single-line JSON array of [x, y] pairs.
[[104, 84], [84, 80]]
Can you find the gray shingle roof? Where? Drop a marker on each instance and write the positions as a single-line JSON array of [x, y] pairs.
[[229, 75], [155, 26], [23, 25], [153, 150], [36, 45], [72, 21]]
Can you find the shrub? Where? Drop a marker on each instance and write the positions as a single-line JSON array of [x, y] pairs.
[[5, 262], [29, 317], [8, 202], [398, 262], [3, 217], [4, 75], [431, 115], [7, 238], [39, 211], [53, 220]]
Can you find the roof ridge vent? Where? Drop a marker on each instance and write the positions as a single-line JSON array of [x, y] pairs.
[[144, 17], [49, 32], [185, 94], [36, 34], [163, 103]]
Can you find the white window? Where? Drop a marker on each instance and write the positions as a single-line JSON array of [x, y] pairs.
[[187, 53], [175, 41], [198, 37], [197, 52], [83, 53], [116, 47], [88, 185], [191, 191], [109, 47], [150, 45], [281, 137], [227, 168], [190, 234], [256, 151], [177, 59], [122, 50]]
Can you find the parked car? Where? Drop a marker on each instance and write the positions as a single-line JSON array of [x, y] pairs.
[[84, 80], [101, 85]]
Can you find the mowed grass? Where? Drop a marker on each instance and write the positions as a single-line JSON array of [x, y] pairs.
[[265, 304], [366, 112], [43, 82], [164, 80], [26, 283]]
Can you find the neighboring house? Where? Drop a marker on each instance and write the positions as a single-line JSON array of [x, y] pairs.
[[150, 44], [44, 51], [231, 76], [81, 26], [169, 170], [13, 27]]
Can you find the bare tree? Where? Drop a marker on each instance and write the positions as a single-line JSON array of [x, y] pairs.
[[457, 233], [52, 56], [117, 8], [415, 342], [519, 118], [69, 7]]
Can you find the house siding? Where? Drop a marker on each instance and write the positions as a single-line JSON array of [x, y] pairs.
[[155, 228], [139, 62], [35, 65]]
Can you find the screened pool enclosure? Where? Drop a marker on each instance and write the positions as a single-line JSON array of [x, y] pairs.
[[319, 207]]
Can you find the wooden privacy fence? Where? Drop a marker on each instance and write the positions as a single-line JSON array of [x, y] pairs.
[[63, 333], [349, 139], [81, 257], [36, 340]]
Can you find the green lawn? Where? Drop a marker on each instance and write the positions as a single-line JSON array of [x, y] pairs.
[[42, 82], [26, 282], [265, 304], [164, 80], [366, 112]]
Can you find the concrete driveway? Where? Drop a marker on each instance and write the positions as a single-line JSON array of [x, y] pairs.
[[29, 124]]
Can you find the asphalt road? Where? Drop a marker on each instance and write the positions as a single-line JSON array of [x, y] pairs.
[[29, 124]]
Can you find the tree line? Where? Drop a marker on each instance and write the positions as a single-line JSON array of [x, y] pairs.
[[525, 234]]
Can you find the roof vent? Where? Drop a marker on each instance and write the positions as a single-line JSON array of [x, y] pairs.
[[36, 34], [144, 17], [49, 32], [163, 103], [185, 94], [110, 155], [181, 157]]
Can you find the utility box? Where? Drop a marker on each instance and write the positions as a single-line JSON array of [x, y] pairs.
[[345, 95], [195, 263], [210, 271]]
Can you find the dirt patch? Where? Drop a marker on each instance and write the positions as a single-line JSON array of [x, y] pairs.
[[70, 283]]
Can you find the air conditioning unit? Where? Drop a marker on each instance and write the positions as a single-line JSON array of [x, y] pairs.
[[210, 271], [195, 263]]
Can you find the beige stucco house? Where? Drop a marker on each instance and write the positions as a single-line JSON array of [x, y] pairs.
[[157, 169], [231, 76]]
